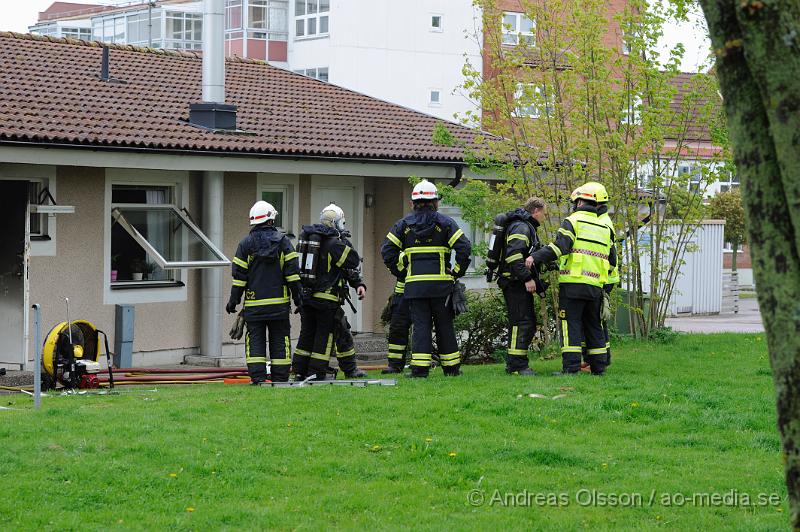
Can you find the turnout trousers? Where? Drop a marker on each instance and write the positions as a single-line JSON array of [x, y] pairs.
[[427, 313], [255, 343], [398, 331], [580, 322], [345, 345], [521, 324], [315, 344]]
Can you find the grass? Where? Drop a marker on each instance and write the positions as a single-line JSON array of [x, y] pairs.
[[693, 416]]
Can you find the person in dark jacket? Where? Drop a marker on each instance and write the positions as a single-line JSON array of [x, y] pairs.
[[417, 251], [324, 296], [518, 283], [266, 271], [586, 252]]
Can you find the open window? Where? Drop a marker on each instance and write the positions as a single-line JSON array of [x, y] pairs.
[[168, 237]]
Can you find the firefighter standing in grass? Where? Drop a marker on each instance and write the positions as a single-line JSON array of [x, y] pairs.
[[265, 270], [345, 344], [323, 294], [417, 251], [585, 249], [518, 283]]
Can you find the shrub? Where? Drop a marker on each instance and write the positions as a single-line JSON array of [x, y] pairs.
[[482, 330]]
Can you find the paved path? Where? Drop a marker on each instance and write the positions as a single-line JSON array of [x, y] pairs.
[[748, 320]]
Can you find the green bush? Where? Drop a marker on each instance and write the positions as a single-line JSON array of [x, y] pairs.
[[482, 330]]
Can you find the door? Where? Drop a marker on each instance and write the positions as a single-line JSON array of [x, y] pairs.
[[14, 245], [344, 192]]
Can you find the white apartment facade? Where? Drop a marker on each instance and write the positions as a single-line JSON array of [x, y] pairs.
[[408, 52]]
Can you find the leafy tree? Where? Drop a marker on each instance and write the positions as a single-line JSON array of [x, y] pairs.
[[728, 206], [566, 108], [756, 44]]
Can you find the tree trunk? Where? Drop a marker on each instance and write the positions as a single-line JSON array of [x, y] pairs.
[[735, 247], [758, 66]]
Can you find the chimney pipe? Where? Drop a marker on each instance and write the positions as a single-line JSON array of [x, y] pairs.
[[214, 51], [104, 71], [213, 113]]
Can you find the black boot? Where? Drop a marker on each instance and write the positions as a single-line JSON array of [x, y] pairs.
[[524, 372], [356, 374], [390, 370]]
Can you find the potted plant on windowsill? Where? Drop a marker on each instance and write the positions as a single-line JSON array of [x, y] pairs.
[[149, 268], [138, 268], [114, 265]]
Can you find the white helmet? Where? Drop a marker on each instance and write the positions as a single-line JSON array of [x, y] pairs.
[[332, 216], [424, 190], [262, 211]]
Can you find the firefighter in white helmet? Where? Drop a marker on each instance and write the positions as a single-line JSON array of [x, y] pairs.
[[265, 270], [417, 251], [324, 291]]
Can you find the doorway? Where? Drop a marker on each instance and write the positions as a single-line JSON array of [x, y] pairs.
[[14, 246], [345, 192]]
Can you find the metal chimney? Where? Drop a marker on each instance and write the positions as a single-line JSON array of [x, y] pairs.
[[213, 112]]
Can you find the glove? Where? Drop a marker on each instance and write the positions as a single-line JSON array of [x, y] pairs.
[[605, 308], [230, 308], [459, 298], [237, 331]]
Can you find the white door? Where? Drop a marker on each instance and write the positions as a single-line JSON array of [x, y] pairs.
[[14, 246], [346, 192]]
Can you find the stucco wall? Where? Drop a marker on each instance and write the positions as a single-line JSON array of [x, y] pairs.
[[77, 272]]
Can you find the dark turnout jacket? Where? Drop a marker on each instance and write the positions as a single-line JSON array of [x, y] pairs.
[[417, 250], [265, 269], [520, 238]]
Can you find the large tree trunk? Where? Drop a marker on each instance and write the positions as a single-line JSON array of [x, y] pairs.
[[758, 65]]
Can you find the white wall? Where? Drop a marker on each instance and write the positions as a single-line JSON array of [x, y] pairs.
[[384, 48]]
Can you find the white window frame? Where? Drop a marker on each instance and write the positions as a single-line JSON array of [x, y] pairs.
[[431, 27], [306, 17], [471, 233], [534, 109], [179, 183], [514, 33], [290, 186], [46, 175], [431, 102]]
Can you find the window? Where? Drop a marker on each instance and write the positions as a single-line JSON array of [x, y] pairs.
[[436, 23], [320, 73], [77, 33], [517, 27], [257, 14], [37, 196], [311, 17], [233, 14], [151, 239], [530, 101], [279, 191], [435, 98], [626, 46], [632, 113], [184, 31]]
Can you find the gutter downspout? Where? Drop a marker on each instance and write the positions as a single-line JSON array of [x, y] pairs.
[[459, 174], [213, 182]]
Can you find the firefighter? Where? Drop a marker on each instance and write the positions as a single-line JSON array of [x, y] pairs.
[[265, 270], [399, 325], [518, 283], [585, 249], [323, 294], [417, 250], [345, 344]]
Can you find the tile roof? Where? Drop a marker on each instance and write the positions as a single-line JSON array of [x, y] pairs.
[[690, 107], [50, 92]]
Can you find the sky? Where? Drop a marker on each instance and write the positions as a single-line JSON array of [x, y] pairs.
[[17, 15]]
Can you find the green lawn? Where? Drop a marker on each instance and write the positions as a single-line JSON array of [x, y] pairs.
[[694, 416]]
